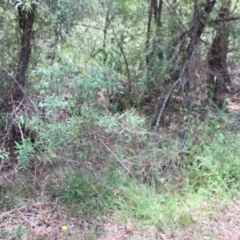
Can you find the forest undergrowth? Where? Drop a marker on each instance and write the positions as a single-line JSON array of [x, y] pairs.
[[119, 120], [115, 179]]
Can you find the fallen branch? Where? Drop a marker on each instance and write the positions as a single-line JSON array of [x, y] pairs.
[[117, 159], [36, 205], [164, 104]]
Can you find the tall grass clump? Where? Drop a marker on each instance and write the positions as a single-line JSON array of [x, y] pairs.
[[171, 186]]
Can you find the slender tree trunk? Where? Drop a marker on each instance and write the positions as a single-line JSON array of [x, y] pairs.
[[26, 20], [218, 77], [147, 44], [156, 8]]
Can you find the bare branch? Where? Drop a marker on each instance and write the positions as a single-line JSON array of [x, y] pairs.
[[118, 159], [20, 87], [225, 19], [89, 26], [164, 104]]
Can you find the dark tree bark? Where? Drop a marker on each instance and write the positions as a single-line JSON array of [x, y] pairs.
[[155, 8], [193, 33], [26, 20], [198, 25], [147, 44], [218, 77]]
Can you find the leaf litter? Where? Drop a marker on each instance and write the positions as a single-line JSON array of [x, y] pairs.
[[46, 220]]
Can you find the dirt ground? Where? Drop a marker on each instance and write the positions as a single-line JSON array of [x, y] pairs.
[[45, 221]]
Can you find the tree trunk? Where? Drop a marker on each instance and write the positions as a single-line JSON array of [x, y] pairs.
[[198, 25], [218, 77], [195, 32], [156, 8], [26, 20]]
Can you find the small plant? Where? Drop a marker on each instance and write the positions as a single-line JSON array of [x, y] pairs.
[[25, 5], [90, 192], [212, 164], [3, 234], [18, 232], [4, 155], [25, 152], [148, 207]]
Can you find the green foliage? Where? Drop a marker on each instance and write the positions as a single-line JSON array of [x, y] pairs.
[[161, 208], [215, 166], [91, 192], [209, 168], [18, 232], [15, 234], [4, 155], [51, 137], [124, 123], [79, 89], [143, 204], [25, 5], [24, 151]]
